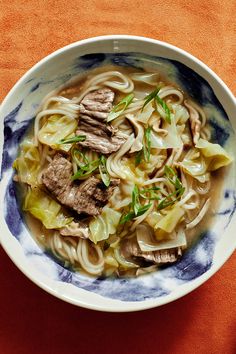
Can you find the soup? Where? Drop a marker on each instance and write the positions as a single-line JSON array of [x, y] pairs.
[[116, 173]]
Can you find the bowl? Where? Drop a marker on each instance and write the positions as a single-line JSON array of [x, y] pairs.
[[18, 109]]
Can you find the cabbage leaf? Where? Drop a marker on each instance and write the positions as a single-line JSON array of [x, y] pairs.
[[55, 129], [44, 208], [171, 140], [215, 155], [147, 243], [170, 220], [104, 225], [27, 163]]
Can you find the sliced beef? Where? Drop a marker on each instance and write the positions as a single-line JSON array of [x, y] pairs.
[[87, 197], [130, 249], [97, 104], [98, 140], [94, 126], [76, 229], [100, 136], [97, 128]]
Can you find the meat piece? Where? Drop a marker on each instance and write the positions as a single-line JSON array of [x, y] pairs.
[[57, 177], [100, 136], [90, 124], [87, 197], [94, 126], [76, 229], [98, 140], [97, 104], [130, 248]]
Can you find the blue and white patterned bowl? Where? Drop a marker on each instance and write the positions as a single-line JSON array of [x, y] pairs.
[[19, 108]]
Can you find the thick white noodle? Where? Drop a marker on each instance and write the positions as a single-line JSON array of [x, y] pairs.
[[114, 165], [107, 79], [85, 262], [77, 251], [169, 90], [192, 205], [64, 112], [200, 216], [154, 180]]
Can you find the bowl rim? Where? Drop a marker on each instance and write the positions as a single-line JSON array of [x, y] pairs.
[[126, 306]]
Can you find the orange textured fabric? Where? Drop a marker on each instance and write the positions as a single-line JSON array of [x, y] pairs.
[[31, 321]]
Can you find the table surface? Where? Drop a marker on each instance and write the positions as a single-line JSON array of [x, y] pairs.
[[31, 321]]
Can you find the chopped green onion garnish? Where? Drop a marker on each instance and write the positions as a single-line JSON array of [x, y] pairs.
[[120, 107], [131, 215], [154, 96], [147, 144], [150, 97], [81, 155], [86, 170], [103, 171], [179, 189], [138, 157], [146, 149], [165, 107], [75, 139]]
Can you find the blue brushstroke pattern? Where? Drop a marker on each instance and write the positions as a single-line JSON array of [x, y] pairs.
[[192, 265], [35, 87], [219, 134], [12, 214], [13, 133]]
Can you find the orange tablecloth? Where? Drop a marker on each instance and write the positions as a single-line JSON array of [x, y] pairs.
[[31, 321]]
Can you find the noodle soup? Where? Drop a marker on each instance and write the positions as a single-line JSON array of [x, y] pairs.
[[117, 172]]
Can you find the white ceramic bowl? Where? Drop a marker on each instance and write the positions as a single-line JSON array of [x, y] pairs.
[[19, 108]]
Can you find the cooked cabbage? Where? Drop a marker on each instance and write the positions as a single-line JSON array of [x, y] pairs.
[[196, 166], [104, 225], [171, 140], [56, 128], [205, 157], [144, 115], [170, 220], [27, 163], [47, 210], [181, 113], [110, 259], [147, 242], [215, 155]]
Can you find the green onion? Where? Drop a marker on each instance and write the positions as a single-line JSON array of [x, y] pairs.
[[146, 149], [103, 171], [165, 107], [75, 139], [120, 107], [151, 193], [131, 215], [147, 144], [136, 209], [82, 155], [86, 170], [154, 96], [179, 189], [150, 97], [138, 157], [135, 200]]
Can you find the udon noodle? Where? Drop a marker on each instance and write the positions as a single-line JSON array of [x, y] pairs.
[[115, 187]]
